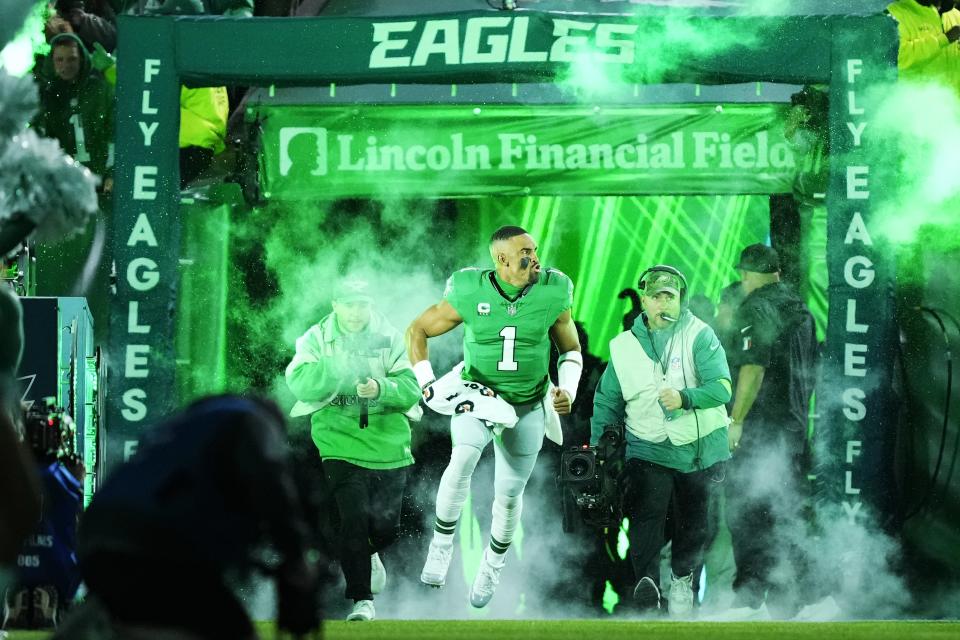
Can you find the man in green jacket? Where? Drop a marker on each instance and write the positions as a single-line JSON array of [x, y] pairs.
[[351, 371]]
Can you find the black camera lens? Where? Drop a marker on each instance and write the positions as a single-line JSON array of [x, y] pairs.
[[579, 467]]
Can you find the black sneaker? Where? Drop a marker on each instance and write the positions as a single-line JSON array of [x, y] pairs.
[[646, 594]]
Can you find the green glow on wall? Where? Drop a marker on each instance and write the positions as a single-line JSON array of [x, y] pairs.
[[814, 250], [201, 340]]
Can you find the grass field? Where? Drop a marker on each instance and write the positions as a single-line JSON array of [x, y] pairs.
[[613, 630]]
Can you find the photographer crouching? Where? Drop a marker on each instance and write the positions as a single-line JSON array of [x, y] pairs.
[[667, 381], [48, 572], [351, 371]]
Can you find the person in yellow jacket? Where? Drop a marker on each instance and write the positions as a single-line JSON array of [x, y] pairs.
[[203, 120], [950, 15], [203, 129], [923, 41]]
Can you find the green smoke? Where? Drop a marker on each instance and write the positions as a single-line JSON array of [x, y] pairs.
[[17, 56], [286, 258], [923, 122], [665, 43]]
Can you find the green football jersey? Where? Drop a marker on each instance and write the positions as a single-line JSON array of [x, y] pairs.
[[506, 341]]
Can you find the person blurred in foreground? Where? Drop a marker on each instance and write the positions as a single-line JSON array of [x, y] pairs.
[[166, 537]]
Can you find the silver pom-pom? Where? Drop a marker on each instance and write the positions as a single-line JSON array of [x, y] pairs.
[[18, 103], [41, 182]]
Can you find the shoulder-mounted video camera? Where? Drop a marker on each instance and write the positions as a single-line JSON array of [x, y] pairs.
[[588, 481], [50, 433]]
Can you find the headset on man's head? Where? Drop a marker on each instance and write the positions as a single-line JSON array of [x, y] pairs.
[[642, 285]]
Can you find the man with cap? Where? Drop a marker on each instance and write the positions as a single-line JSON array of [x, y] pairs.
[[352, 373], [776, 363], [667, 382]]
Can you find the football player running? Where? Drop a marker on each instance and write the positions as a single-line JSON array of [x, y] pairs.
[[510, 315]]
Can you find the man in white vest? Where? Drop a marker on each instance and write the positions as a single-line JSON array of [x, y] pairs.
[[667, 382]]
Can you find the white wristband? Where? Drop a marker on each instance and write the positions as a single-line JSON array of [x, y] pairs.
[[424, 372], [569, 368]]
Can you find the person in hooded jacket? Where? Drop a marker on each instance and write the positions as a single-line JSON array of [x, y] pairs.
[[352, 374], [76, 107]]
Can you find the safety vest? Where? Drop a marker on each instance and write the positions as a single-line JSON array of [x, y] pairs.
[[641, 379]]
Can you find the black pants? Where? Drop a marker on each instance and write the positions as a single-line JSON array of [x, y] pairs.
[[648, 488], [766, 495], [369, 502], [173, 592]]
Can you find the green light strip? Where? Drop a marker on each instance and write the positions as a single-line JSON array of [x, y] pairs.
[[604, 243], [223, 297]]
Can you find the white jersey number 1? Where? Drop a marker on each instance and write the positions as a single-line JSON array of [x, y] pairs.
[[81, 155], [507, 363]]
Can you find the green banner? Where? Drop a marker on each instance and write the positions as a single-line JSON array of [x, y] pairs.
[[664, 45], [321, 151]]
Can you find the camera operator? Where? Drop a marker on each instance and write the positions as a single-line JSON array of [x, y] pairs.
[[48, 573], [19, 491], [667, 381], [352, 372], [19, 499]]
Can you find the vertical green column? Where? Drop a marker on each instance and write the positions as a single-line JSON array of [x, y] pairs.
[[201, 317], [856, 419], [146, 193]]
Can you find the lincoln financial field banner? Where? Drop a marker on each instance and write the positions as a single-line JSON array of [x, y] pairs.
[[320, 151]]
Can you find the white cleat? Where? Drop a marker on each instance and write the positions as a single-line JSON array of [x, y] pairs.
[[363, 611], [647, 595], [742, 614], [680, 604], [826, 610], [438, 562], [378, 575], [485, 584]]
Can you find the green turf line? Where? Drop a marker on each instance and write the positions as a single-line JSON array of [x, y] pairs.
[[631, 630], [608, 630]]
